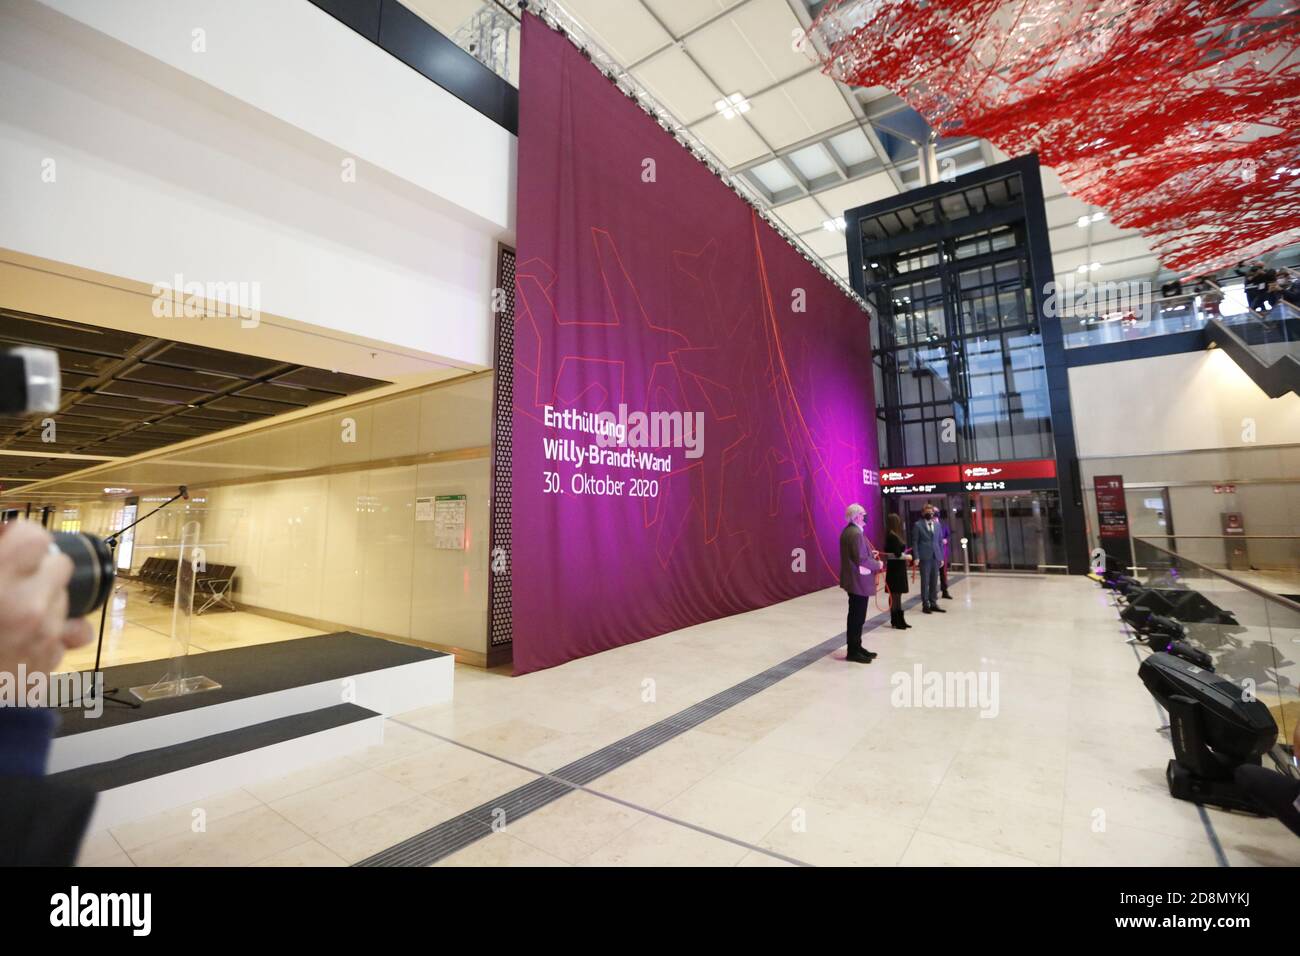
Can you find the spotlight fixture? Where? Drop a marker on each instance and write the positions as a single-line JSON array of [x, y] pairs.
[[1213, 729]]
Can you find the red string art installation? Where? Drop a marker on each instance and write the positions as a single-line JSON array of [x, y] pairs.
[[1180, 119]]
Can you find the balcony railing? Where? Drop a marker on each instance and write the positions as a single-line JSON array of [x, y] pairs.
[[1276, 331]]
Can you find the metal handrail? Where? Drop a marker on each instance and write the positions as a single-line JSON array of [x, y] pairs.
[[1244, 585], [1236, 537]]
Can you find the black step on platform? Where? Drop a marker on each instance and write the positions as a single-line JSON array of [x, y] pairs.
[[246, 672], [155, 763]]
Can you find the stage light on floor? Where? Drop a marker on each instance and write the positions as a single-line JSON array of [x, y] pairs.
[[1214, 729]]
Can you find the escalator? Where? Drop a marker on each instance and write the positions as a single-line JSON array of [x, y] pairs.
[[1266, 349]]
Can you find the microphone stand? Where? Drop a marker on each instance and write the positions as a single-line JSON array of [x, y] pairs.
[[112, 542]]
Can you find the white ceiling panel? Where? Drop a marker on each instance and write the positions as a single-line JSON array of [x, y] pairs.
[[679, 16], [774, 176], [802, 215], [445, 15], [679, 85], [744, 52], [769, 28], [625, 30], [1120, 249], [722, 53], [1103, 231], [1131, 270], [803, 107], [826, 243], [858, 193], [1065, 238], [813, 162], [853, 147], [1065, 211], [838, 264], [732, 140], [1051, 183]]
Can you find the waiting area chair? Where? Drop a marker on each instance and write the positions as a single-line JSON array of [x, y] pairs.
[[214, 586]]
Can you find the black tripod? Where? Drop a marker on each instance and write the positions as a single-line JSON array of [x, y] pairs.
[[112, 542]]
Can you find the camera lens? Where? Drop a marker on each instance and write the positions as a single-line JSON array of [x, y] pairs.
[[92, 571]]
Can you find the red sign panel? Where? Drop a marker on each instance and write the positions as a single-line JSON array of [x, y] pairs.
[[920, 475], [1112, 512], [1009, 470], [975, 471]]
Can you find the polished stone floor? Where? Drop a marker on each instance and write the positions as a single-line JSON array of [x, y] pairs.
[[1060, 762], [136, 630]]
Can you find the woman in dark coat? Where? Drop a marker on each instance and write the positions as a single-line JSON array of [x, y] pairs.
[[896, 570]]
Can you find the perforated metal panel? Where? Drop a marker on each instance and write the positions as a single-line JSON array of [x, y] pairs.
[[500, 625]]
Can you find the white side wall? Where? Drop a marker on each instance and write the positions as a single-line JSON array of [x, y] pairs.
[[1181, 425], [227, 165], [1175, 403]]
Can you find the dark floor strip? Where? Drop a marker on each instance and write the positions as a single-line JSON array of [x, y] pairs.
[[1213, 837], [455, 834]]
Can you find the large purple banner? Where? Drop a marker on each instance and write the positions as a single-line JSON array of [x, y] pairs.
[[693, 400]]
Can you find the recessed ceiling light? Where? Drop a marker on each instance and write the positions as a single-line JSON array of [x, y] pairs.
[[835, 225], [732, 106]]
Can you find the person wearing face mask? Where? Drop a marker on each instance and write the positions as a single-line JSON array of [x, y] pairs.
[[857, 565], [927, 548]]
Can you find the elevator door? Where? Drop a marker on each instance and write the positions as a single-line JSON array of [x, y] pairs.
[[1010, 531]]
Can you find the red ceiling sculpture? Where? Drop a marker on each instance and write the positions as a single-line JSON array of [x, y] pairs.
[[1180, 119]]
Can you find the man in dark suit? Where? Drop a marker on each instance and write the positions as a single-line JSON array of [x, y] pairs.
[[857, 565], [927, 547]]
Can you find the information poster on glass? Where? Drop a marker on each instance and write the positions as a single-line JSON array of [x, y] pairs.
[[449, 522]]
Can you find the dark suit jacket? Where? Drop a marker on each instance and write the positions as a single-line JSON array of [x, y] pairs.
[[927, 545], [853, 555]]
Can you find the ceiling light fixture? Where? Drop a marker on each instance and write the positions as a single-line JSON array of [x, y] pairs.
[[835, 225], [732, 106]]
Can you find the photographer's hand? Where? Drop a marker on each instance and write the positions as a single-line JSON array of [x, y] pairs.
[[34, 629]]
